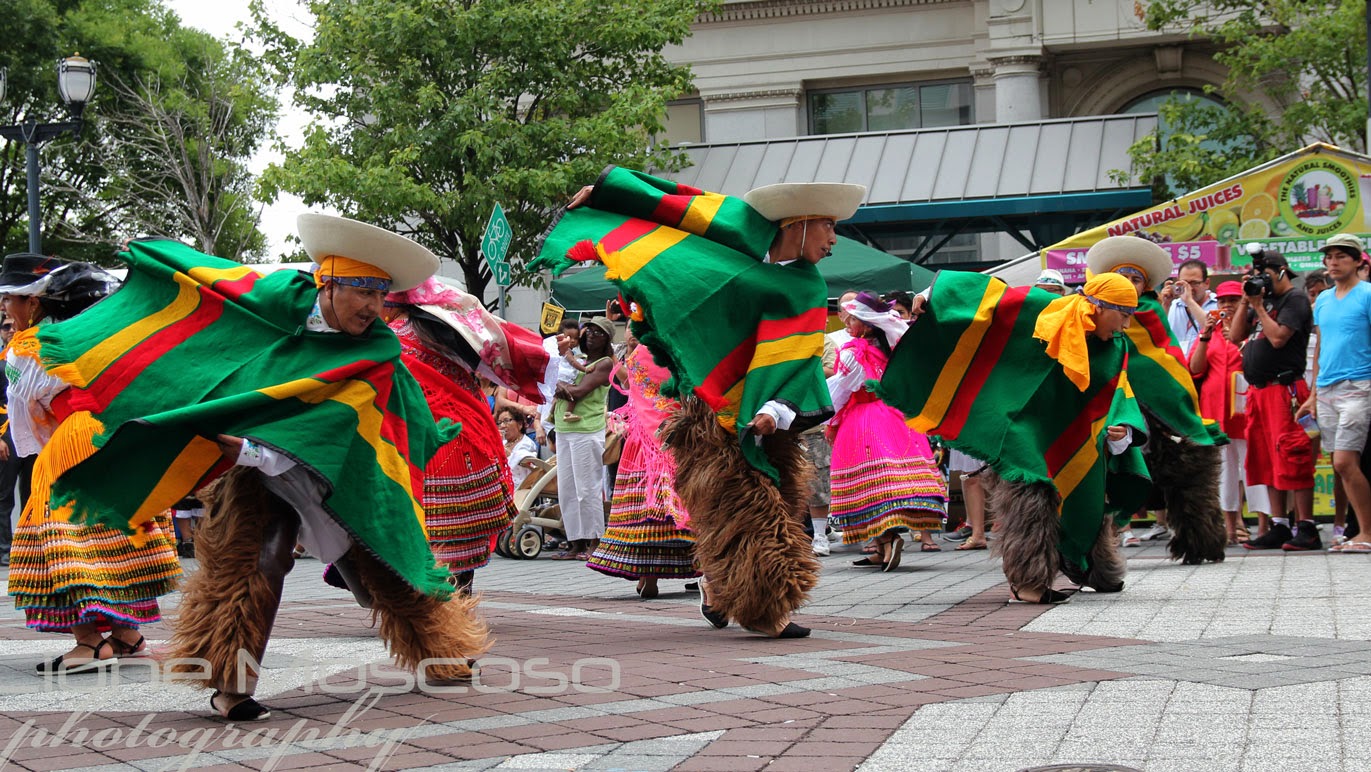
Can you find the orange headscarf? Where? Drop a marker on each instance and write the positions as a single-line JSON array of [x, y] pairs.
[[346, 268], [1066, 321]]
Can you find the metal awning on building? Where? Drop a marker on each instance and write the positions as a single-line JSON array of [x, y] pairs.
[[1037, 181]]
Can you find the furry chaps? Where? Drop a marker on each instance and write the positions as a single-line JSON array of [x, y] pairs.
[[1188, 476], [416, 627], [1026, 521], [750, 538], [229, 604]]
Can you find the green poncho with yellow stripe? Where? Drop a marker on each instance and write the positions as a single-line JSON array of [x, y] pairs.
[[732, 328], [1161, 379], [970, 371], [193, 346]]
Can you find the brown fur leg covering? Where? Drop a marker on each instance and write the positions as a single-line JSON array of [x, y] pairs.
[[749, 540], [229, 604], [1026, 521], [1107, 563], [416, 627], [1188, 475]]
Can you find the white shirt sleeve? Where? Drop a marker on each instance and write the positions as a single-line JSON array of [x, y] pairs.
[[842, 385], [782, 414], [1118, 446]]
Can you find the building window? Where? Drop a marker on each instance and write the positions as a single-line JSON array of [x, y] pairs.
[[685, 122], [891, 108]]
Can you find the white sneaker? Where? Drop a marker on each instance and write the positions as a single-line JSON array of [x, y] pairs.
[[1127, 539], [820, 545], [1156, 532]]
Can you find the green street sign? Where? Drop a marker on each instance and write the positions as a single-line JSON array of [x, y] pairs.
[[495, 242], [502, 273]]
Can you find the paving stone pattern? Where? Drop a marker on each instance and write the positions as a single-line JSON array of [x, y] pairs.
[[1261, 662]]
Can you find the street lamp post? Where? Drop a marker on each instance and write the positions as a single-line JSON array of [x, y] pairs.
[[76, 84]]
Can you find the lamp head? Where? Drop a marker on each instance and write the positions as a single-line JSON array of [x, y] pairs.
[[76, 82]]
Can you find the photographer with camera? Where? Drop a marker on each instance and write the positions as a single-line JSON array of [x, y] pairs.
[[1275, 320], [1188, 302]]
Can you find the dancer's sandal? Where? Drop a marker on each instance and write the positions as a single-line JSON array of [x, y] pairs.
[[926, 547], [868, 562], [971, 544], [134, 650], [1050, 597], [893, 562], [247, 710], [59, 664]]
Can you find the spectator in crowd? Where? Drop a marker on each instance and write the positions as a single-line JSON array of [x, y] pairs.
[[1189, 302], [1214, 361], [1341, 397], [901, 301], [518, 445], [1050, 280], [1274, 320], [581, 443], [560, 370], [1315, 282]]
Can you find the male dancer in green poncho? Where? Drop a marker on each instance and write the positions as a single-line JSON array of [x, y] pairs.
[[1183, 455], [1036, 386], [198, 364], [729, 300]]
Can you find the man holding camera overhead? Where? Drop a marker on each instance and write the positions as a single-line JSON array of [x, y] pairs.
[[1275, 320]]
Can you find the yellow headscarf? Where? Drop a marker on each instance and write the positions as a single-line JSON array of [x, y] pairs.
[[1066, 321], [346, 268]]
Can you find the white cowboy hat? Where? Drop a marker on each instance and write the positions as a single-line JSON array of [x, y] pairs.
[[838, 200], [407, 262], [1115, 252]]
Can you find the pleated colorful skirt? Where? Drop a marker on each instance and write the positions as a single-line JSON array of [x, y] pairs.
[[462, 513], [643, 540], [64, 574], [883, 475]]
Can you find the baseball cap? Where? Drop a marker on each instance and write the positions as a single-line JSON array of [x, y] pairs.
[[1346, 241], [1228, 289]]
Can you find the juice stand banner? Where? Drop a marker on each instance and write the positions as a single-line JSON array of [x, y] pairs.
[[1300, 199]]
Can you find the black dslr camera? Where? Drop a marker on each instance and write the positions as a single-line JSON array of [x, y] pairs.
[[1258, 283]]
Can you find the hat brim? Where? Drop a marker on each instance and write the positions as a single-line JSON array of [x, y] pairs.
[[406, 261], [1110, 253], [838, 200], [22, 284]]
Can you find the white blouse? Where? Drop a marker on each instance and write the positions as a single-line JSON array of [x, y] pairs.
[[30, 393]]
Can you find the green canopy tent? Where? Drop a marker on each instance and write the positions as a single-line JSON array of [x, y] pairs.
[[853, 265]]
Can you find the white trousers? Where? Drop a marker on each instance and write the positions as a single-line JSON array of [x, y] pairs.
[[1231, 485], [581, 483]]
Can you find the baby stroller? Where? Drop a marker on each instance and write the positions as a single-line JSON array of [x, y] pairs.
[[537, 514]]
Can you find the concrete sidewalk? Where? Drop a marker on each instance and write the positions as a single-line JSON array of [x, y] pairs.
[[1261, 662]]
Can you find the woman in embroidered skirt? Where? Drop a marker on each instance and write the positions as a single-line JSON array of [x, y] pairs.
[[67, 577], [447, 338], [646, 539], [884, 479]]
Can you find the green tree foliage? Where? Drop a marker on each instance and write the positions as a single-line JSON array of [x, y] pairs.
[[429, 112], [176, 115], [1307, 58]]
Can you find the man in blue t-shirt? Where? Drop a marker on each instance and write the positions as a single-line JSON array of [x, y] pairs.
[[1342, 367]]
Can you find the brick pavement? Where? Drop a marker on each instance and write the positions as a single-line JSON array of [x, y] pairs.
[[926, 668]]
